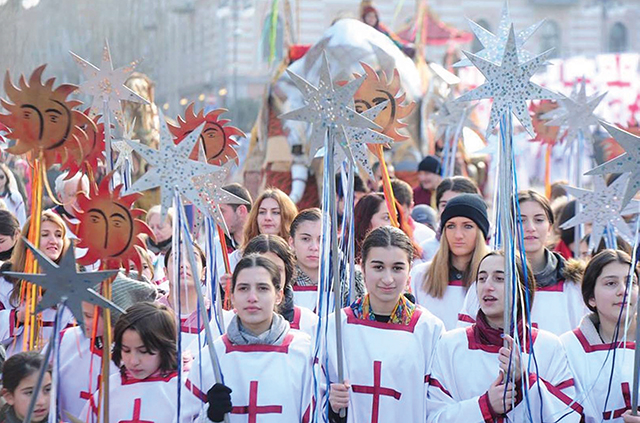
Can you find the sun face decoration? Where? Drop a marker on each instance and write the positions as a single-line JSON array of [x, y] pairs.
[[376, 90], [544, 134], [215, 137], [42, 119], [109, 228], [92, 147]]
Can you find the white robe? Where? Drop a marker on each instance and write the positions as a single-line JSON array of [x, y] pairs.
[[304, 320], [463, 370], [592, 378], [151, 400], [306, 296], [80, 368], [386, 364], [446, 308], [556, 309], [269, 383]]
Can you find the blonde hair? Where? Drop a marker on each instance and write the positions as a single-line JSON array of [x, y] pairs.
[[436, 279], [288, 212], [19, 255], [157, 209], [11, 184]]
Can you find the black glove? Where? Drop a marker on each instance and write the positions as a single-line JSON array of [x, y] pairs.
[[219, 399]]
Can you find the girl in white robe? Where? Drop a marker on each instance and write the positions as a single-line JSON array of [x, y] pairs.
[[467, 383], [53, 244], [266, 367], [81, 358], [440, 286], [146, 387], [306, 230], [559, 306], [278, 251], [595, 349], [387, 340]]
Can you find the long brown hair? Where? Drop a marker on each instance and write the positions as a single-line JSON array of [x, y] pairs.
[[362, 215], [288, 212], [437, 278], [19, 255]]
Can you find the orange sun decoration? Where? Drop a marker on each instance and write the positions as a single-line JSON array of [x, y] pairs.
[[215, 137], [42, 119], [92, 146], [373, 91], [109, 228]]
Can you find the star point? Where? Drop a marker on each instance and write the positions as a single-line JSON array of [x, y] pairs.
[[628, 163], [602, 207], [62, 284]]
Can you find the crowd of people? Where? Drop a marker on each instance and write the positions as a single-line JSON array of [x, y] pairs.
[[422, 329]]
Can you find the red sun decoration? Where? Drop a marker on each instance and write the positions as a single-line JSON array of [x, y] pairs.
[[109, 228], [215, 137]]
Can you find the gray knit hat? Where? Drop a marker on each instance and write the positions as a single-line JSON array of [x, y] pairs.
[[126, 292]]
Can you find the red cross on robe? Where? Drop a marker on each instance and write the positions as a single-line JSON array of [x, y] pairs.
[[616, 414], [376, 390], [253, 409], [137, 405]]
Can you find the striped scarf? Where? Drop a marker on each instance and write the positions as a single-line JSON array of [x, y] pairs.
[[401, 314]]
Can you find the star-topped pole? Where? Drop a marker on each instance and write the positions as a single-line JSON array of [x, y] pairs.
[[450, 119], [106, 85], [628, 162], [603, 208], [124, 162], [171, 169], [62, 284], [494, 44], [329, 111], [509, 85]]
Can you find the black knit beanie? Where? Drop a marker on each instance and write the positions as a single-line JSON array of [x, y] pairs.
[[430, 164], [471, 206]]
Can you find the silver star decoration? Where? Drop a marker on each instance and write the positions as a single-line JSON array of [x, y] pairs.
[[353, 142], [575, 114], [107, 85], [603, 207], [327, 107], [628, 162], [494, 44], [171, 169], [124, 149], [451, 114], [63, 284], [509, 86], [210, 187]]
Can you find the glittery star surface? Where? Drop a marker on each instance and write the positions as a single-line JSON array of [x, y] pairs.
[[123, 149], [452, 114], [508, 85], [494, 44], [63, 284], [575, 114], [353, 142], [602, 207], [210, 188], [171, 169], [628, 162], [106, 85], [327, 107]]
